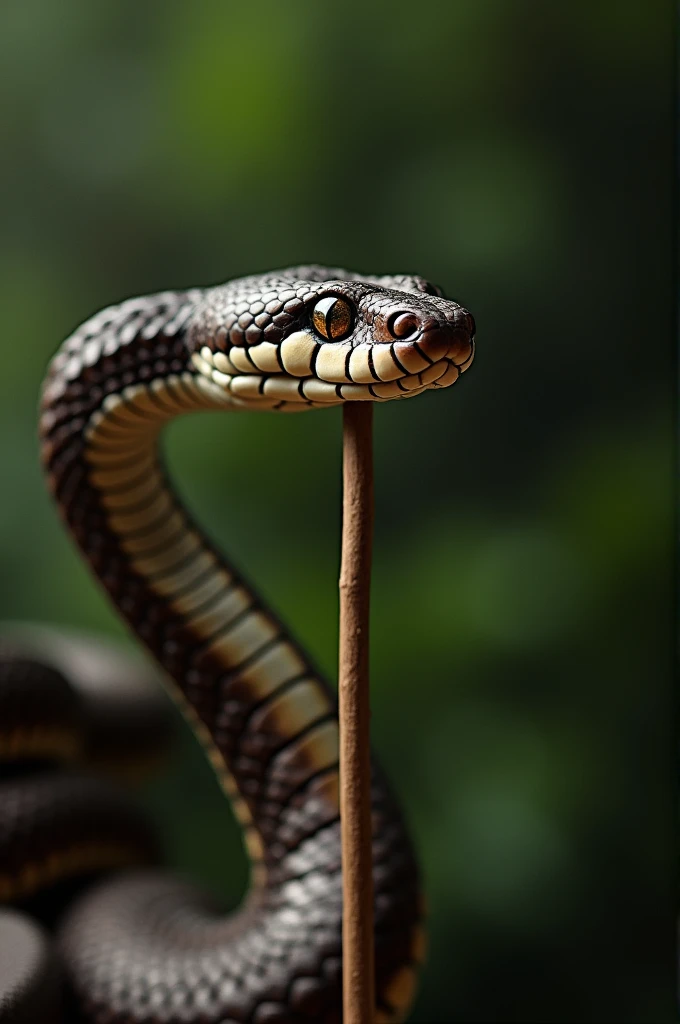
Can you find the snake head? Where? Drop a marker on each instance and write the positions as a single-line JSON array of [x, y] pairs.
[[315, 336]]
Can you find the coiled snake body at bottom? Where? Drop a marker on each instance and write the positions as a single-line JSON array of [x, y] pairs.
[[144, 948]]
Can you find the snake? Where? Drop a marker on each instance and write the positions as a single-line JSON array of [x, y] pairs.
[[141, 946]]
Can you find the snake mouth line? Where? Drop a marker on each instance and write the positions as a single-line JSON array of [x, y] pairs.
[[303, 372]]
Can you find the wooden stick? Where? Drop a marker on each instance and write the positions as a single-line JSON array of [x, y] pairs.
[[355, 768]]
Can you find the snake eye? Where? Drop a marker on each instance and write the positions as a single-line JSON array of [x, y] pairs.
[[332, 317], [403, 325]]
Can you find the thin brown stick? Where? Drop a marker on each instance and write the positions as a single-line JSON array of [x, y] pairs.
[[355, 769]]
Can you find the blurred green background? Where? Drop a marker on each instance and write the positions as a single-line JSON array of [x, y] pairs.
[[519, 155]]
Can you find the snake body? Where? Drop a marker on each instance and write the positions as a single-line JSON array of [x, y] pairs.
[[145, 948]]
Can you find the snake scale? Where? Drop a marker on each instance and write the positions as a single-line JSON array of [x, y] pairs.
[[141, 947]]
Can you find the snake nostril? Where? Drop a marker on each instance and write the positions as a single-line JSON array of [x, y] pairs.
[[404, 325]]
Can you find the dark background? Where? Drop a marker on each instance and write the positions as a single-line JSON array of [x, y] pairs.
[[518, 154]]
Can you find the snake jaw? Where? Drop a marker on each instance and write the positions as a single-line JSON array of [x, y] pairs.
[[303, 372]]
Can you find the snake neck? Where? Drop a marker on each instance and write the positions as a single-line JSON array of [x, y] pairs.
[[265, 717]]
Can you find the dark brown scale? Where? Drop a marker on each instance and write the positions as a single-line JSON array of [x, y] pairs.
[[273, 334], [282, 320]]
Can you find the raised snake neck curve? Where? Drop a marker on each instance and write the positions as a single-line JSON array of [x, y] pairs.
[[146, 948]]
